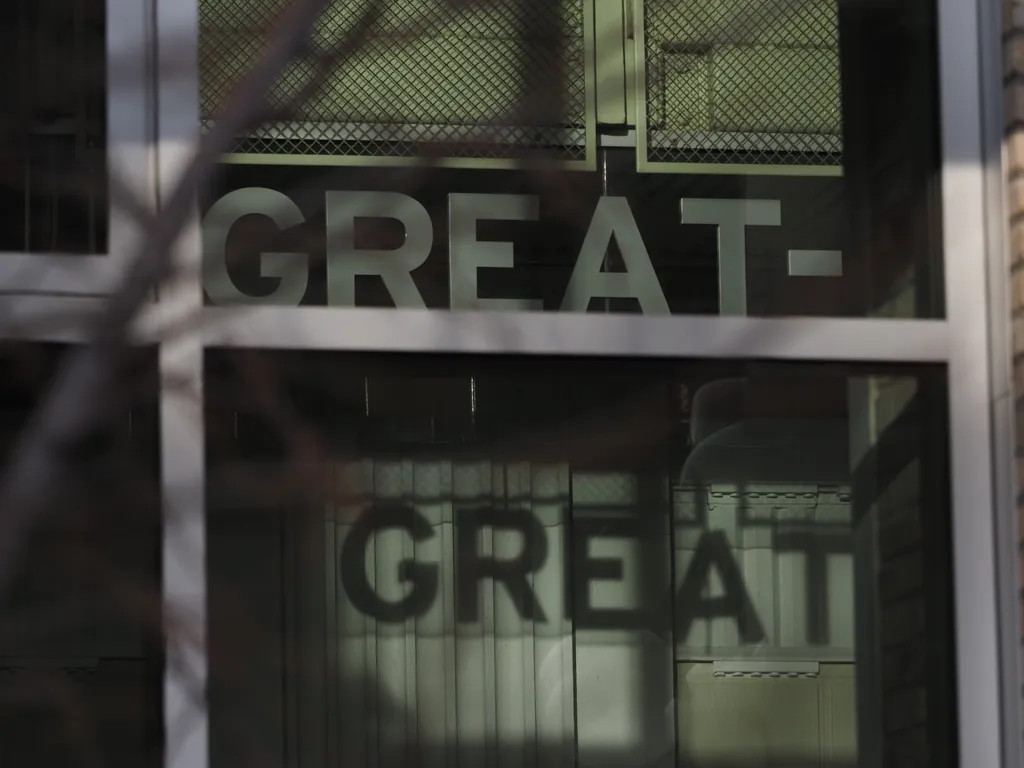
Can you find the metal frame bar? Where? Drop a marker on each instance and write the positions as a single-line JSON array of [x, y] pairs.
[[398, 132], [67, 318], [1002, 394], [377, 161], [129, 155], [609, 55], [182, 430], [553, 333], [972, 458], [753, 141], [964, 341]]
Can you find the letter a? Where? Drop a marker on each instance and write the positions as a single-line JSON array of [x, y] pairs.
[[613, 218]]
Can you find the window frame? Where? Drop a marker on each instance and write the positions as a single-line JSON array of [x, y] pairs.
[[986, 716], [973, 342]]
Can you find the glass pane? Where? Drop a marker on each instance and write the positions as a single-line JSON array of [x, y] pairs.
[[53, 173], [81, 653], [743, 82], [485, 561], [786, 159], [408, 74]]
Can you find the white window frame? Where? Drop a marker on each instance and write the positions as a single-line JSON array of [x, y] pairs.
[[972, 342]]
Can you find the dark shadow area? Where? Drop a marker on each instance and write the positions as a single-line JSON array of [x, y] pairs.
[[53, 133], [81, 649]]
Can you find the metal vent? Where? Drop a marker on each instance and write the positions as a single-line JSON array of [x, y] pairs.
[[471, 79], [743, 82]]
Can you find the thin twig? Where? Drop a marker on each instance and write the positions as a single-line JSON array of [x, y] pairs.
[[75, 404]]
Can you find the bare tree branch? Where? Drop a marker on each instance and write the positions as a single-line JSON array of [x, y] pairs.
[[78, 397]]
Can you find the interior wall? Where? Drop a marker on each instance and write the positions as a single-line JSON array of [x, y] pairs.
[[750, 720]]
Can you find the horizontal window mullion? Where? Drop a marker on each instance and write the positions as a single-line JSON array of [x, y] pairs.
[[354, 329]]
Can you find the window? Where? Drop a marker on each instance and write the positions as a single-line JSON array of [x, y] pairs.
[[53, 192], [812, 267], [564, 561]]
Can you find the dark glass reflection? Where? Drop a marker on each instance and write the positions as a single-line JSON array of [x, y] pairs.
[[53, 135], [81, 644]]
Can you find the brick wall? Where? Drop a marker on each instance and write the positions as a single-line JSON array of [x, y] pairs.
[[1013, 71], [1013, 105]]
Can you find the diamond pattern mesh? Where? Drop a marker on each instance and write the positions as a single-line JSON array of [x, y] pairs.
[[743, 81], [431, 72]]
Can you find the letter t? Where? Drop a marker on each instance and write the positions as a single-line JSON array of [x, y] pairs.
[[731, 216]]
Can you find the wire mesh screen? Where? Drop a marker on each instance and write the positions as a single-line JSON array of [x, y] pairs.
[[743, 81], [466, 79]]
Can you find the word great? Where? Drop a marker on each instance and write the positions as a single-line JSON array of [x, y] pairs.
[[659, 606], [612, 218]]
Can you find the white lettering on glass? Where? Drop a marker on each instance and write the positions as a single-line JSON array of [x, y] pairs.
[[732, 218], [613, 218], [467, 255], [291, 269], [345, 261]]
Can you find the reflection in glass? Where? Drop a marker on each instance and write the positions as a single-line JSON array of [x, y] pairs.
[[53, 170], [537, 562], [81, 652]]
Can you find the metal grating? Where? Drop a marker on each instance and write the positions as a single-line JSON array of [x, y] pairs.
[[743, 81], [452, 78], [757, 675]]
